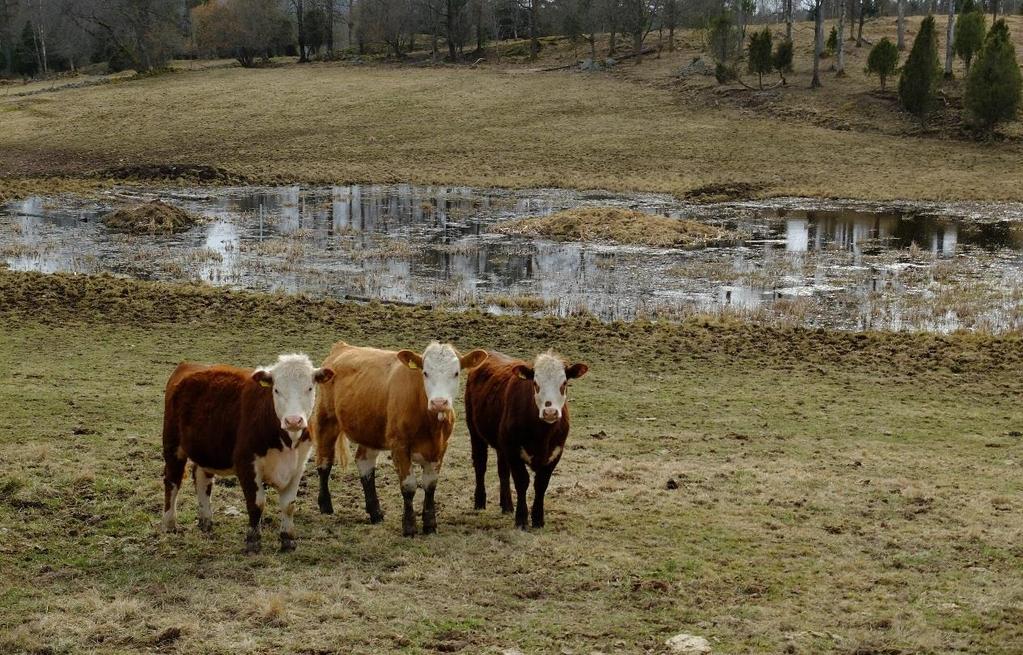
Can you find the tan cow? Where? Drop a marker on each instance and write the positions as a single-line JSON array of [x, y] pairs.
[[386, 400]]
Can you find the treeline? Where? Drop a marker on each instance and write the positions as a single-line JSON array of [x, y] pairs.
[[40, 37]]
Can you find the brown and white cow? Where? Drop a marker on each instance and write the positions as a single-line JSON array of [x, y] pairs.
[[521, 411], [402, 402], [252, 423]]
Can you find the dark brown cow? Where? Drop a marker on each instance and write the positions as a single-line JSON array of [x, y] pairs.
[[240, 421], [522, 412], [401, 402]]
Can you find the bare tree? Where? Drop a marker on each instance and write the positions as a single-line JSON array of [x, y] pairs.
[[817, 8], [788, 20], [950, 38], [145, 32], [638, 19], [670, 21], [840, 41], [298, 7], [901, 23]]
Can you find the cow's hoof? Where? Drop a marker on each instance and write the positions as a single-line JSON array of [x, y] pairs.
[[252, 547], [326, 507], [507, 510], [537, 524], [479, 502], [288, 544], [376, 518], [408, 530], [205, 525], [429, 528]]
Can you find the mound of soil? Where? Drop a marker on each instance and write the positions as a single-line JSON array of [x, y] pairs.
[[617, 225], [191, 172], [151, 218]]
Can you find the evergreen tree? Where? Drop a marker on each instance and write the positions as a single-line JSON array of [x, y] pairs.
[[882, 60], [760, 60], [782, 58], [24, 57], [993, 85], [918, 85], [970, 29], [832, 43]]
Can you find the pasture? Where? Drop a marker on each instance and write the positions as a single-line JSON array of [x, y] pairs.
[[773, 490]]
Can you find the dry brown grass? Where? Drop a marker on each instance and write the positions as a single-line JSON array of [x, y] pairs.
[[616, 225], [150, 218], [632, 129]]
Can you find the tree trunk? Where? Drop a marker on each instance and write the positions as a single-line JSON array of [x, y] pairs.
[[330, 29], [840, 46], [859, 32], [534, 40], [300, 21], [949, 38], [637, 46], [818, 44], [994, 10], [451, 24], [593, 47], [671, 37], [788, 20], [902, 24]]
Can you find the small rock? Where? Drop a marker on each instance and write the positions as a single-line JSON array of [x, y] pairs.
[[609, 62], [687, 644], [697, 66]]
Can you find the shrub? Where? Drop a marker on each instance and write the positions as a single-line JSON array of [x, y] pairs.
[[970, 29], [882, 60], [993, 85], [760, 60], [723, 38], [918, 85], [831, 45], [782, 58], [724, 73]]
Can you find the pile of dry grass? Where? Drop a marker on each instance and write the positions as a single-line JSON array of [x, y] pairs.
[[154, 217], [617, 225]]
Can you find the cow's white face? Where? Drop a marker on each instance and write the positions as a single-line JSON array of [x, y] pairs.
[[550, 378], [441, 365], [293, 382]]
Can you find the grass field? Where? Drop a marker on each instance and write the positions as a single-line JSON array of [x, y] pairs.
[[636, 128], [836, 493]]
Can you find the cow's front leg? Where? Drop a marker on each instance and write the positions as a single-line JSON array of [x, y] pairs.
[[366, 460], [520, 475], [252, 487], [204, 493], [431, 471], [541, 479], [287, 500], [403, 464], [504, 475]]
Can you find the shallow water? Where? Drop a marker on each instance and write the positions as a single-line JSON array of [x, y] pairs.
[[846, 265]]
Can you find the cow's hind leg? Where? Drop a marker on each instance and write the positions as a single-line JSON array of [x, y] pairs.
[[173, 473], [504, 474], [255, 498], [403, 464], [366, 461], [204, 493], [326, 432], [479, 465]]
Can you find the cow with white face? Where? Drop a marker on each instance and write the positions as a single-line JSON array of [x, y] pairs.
[[521, 411], [244, 422], [402, 402]]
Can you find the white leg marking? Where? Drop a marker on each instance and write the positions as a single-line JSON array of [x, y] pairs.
[[287, 501], [554, 454], [201, 480], [525, 456], [367, 464], [170, 517], [409, 483], [260, 493], [431, 470]]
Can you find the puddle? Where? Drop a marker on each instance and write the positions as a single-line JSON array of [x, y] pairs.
[[816, 263]]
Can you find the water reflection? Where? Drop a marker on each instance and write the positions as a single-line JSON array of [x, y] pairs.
[[431, 245]]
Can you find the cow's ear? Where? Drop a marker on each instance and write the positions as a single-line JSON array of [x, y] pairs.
[[523, 371], [576, 370], [410, 359], [473, 358], [263, 377], [324, 374]]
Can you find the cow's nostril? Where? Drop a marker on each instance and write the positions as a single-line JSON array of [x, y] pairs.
[[548, 404]]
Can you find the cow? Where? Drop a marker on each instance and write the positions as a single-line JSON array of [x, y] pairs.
[[402, 402], [521, 411], [252, 423]]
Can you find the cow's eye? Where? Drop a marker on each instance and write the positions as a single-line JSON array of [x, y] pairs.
[[309, 389], [277, 392], [425, 374], [456, 374]]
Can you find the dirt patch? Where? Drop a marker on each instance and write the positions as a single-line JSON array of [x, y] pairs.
[[154, 217], [191, 172], [617, 225], [722, 192]]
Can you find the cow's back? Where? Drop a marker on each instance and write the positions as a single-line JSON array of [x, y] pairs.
[[202, 409], [366, 383], [493, 392]]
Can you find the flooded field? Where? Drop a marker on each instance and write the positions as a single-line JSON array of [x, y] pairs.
[[851, 266]]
